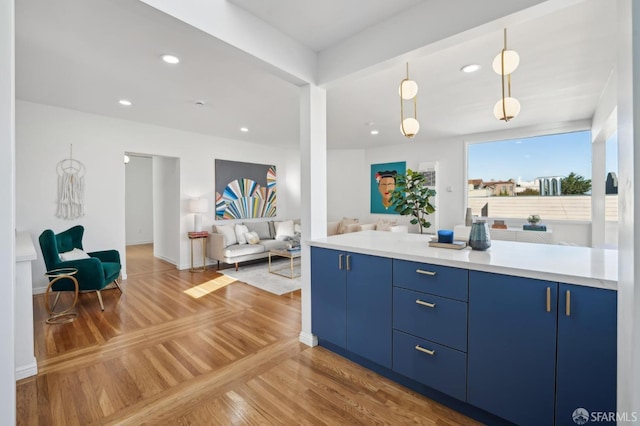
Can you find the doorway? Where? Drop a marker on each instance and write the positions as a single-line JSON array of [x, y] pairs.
[[152, 211]]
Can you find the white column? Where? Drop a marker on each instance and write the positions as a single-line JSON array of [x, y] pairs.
[[7, 212], [313, 188], [598, 181], [628, 208]]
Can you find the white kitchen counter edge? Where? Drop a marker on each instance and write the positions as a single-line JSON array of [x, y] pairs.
[[25, 250], [566, 264]]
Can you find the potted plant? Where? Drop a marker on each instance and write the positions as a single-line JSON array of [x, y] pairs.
[[412, 197], [533, 219]]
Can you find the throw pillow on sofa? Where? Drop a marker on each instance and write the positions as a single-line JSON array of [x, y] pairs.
[[385, 224], [284, 229], [252, 237], [343, 227], [240, 231], [260, 228], [229, 234]]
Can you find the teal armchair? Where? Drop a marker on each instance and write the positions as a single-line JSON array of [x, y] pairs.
[[94, 273]]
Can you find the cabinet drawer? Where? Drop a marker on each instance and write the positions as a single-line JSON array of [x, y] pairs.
[[445, 370], [439, 280], [445, 322]]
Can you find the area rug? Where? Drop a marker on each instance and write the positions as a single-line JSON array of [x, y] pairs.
[[258, 275]]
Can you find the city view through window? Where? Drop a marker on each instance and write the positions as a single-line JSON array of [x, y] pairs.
[[545, 175]]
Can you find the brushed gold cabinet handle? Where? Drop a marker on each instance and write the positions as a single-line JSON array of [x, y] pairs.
[[548, 299], [420, 271], [348, 262], [568, 304], [426, 351], [427, 304]]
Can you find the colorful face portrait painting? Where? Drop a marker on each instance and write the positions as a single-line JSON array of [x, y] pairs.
[[383, 182], [244, 190]]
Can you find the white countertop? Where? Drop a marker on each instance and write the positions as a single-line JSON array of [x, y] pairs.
[[566, 264], [25, 250]]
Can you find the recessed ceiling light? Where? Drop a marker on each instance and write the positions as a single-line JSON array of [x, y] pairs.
[[470, 68], [125, 102], [374, 132], [244, 129], [170, 59]]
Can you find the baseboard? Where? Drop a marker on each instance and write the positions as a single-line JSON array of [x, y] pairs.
[[166, 259], [199, 265], [308, 339], [137, 243], [28, 370], [42, 290], [39, 290]]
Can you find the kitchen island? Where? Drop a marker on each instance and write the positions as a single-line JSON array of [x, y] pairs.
[[508, 334]]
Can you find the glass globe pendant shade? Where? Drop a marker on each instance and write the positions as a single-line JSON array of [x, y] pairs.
[[511, 62], [512, 108], [408, 89], [409, 127]]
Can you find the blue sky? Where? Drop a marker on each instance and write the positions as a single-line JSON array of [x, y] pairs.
[[529, 158]]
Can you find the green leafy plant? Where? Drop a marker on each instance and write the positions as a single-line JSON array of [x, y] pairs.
[[412, 197]]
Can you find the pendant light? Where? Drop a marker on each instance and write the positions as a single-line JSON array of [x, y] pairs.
[[408, 91], [508, 107]]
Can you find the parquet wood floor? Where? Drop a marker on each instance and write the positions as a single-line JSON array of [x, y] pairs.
[[181, 348]]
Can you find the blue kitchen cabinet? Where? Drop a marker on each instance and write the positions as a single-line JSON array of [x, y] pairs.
[[351, 302], [586, 364], [430, 325], [329, 296], [512, 347]]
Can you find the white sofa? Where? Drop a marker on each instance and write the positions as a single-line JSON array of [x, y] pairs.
[[224, 246]]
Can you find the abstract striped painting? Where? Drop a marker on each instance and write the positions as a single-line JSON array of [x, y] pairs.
[[244, 190]]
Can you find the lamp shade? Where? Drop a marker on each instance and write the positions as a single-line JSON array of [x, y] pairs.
[[409, 127], [512, 108], [511, 62], [408, 89], [199, 205]]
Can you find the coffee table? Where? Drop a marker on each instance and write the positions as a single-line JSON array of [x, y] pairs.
[[294, 254]]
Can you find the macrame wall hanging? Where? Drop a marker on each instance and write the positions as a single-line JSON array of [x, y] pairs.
[[70, 187]]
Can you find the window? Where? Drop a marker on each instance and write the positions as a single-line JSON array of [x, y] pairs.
[[546, 175]]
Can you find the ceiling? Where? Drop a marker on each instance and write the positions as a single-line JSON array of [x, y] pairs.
[[319, 25], [87, 55]]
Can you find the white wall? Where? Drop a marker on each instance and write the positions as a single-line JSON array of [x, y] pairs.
[[138, 200], [43, 137], [347, 184], [167, 207], [7, 213]]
